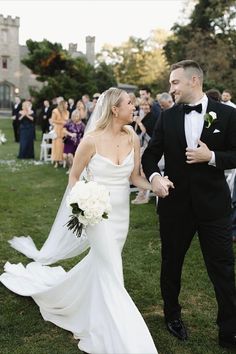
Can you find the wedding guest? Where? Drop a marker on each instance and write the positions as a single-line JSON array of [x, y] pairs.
[[144, 128], [59, 99], [165, 100], [71, 106], [15, 117], [214, 94], [45, 115], [94, 101], [81, 110], [135, 101], [26, 131], [226, 98], [194, 195], [73, 133], [88, 105], [60, 116], [145, 93]]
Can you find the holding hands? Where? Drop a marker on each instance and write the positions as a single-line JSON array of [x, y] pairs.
[[161, 185]]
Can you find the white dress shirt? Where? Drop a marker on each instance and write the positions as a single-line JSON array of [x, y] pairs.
[[193, 125], [229, 103]]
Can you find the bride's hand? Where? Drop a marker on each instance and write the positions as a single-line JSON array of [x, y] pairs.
[[161, 186]]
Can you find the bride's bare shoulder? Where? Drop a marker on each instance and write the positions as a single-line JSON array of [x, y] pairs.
[[88, 142], [91, 137]]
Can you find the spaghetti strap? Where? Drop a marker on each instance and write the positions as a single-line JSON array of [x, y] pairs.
[[130, 128]]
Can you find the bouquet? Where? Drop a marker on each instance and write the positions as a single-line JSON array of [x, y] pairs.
[[90, 203], [2, 138]]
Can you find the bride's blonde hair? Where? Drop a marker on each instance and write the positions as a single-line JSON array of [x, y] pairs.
[[112, 98]]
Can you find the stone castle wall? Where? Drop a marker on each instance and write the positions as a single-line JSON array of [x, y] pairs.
[[16, 79]]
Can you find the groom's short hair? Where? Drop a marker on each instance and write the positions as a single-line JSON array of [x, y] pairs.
[[190, 65]]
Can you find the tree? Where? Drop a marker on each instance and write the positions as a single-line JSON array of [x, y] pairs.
[[104, 77], [63, 75], [45, 58], [138, 61], [210, 39]]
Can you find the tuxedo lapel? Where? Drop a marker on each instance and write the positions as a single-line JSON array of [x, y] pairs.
[[179, 122]]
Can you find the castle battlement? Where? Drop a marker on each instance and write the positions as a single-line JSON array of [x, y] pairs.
[[9, 21], [90, 39], [72, 47]]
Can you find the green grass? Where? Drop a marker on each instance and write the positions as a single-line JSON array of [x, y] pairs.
[[30, 195]]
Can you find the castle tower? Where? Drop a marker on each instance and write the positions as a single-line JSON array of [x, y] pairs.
[[9, 59], [90, 49], [72, 48]]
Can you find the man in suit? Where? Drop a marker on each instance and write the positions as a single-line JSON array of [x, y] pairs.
[[45, 115], [194, 196], [71, 106], [15, 117], [145, 93]]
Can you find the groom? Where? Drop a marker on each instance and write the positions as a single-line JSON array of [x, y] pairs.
[[198, 139]]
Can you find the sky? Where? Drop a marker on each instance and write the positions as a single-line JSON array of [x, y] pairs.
[[110, 21]]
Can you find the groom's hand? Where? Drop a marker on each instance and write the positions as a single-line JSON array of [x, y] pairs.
[[200, 154], [161, 185]]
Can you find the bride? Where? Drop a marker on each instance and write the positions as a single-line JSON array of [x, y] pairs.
[[90, 300]]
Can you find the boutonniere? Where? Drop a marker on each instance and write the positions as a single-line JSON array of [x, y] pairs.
[[209, 118]]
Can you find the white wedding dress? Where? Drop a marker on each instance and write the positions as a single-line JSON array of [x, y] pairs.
[[90, 300]]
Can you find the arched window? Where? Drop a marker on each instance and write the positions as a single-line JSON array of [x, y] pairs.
[[5, 95]]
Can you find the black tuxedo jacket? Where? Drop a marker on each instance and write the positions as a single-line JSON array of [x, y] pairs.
[[149, 122], [16, 110], [201, 187], [47, 114], [70, 109]]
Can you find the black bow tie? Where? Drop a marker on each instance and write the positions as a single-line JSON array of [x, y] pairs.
[[197, 108]]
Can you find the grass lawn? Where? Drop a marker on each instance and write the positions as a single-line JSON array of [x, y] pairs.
[[30, 195]]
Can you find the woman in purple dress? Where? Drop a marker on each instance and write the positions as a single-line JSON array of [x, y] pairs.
[[73, 133]]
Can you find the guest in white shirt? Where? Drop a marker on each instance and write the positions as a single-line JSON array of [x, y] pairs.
[[226, 98]]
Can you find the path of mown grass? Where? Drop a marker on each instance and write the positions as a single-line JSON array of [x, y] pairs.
[[29, 197]]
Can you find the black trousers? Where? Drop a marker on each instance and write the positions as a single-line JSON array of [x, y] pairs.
[[217, 249], [16, 124]]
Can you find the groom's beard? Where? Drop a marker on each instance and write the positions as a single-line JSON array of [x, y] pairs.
[[182, 99]]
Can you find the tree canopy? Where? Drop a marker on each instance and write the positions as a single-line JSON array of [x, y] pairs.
[[63, 75], [210, 39], [138, 61]]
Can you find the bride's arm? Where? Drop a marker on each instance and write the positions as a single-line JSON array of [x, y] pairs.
[[84, 153], [136, 178]]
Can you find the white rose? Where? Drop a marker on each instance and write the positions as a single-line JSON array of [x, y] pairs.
[[213, 114], [84, 193], [83, 220], [108, 208], [88, 214], [88, 204], [82, 204]]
